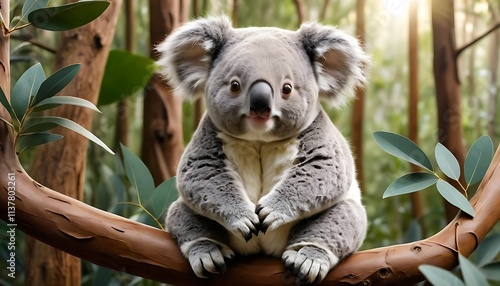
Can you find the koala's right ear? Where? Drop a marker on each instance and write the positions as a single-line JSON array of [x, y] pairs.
[[186, 55]]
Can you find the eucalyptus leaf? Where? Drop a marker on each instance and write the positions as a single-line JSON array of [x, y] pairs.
[[163, 196], [488, 249], [124, 74], [67, 17], [55, 101], [35, 139], [454, 197], [471, 274], [447, 162], [6, 104], [402, 148], [55, 83], [439, 276], [492, 271], [47, 121], [478, 160], [26, 86], [138, 175], [31, 5], [410, 183]]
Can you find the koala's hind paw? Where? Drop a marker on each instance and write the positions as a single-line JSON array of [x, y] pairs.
[[310, 264], [206, 257]]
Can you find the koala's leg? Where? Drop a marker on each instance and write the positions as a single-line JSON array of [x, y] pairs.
[[202, 241], [318, 243]]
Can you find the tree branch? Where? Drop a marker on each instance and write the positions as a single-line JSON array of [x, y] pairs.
[[477, 39], [124, 245], [34, 43]]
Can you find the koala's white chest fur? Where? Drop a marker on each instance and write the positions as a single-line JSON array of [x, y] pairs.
[[260, 167]]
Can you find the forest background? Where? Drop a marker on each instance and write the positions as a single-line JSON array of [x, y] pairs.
[[157, 129]]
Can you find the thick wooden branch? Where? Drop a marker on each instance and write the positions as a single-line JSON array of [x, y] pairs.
[[477, 39], [124, 245]]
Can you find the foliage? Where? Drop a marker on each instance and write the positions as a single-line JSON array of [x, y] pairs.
[[475, 271], [33, 93], [477, 162], [117, 84]]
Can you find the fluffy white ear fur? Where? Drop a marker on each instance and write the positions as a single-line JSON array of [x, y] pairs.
[[338, 61], [185, 55]]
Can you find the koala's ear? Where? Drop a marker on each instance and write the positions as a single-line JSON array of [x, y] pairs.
[[186, 55], [337, 58]]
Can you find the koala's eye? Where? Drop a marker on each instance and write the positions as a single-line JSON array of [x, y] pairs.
[[286, 89], [235, 86]]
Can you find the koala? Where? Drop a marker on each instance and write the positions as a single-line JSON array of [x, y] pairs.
[[266, 170]]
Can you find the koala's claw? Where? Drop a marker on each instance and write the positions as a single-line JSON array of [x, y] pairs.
[[310, 264], [269, 218], [247, 227], [206, 259]]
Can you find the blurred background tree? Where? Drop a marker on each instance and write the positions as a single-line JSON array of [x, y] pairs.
[[401, 36]]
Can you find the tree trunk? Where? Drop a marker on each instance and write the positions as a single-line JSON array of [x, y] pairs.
[[447, 86], [494, 60], [359, 104], [300, 10], [61, 165], [416, 202], [162, 140], [122, 110]]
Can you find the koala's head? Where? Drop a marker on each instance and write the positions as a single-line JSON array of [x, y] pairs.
[[262, 83]]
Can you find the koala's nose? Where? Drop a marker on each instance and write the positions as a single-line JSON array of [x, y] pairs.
[[260, 95]]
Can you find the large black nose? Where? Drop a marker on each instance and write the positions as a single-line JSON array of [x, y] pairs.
[[260, 95]]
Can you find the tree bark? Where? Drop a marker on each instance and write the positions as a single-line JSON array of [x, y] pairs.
[[61, 165], [447, 87], [121, 244], [122, 110], [162, 140], [416, 202], [358, 109]]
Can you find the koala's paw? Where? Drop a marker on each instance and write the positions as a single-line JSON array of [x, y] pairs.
[[272, 213], [206, 258], [310, 264], [246, 225]]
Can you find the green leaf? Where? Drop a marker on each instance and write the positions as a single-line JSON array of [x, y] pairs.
[[124, 74], [42, 123], [138, 175], [440, 277], [67, 17], [163, 196], [26, 87], [478, 160], [492, 271], [447, 162], [55, 101], [31, 5], [55, 83], [471, 274], [454, 197], [34, 139], [488, 249], [6, 104], [410, 183], [402, 148]]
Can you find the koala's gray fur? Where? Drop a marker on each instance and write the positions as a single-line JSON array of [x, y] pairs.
[[266, 171]]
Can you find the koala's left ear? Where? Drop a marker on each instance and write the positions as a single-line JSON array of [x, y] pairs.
[[186, 55], [337, 58]]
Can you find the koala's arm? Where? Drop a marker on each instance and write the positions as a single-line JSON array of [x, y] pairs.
[[210, 188], [321, 176]]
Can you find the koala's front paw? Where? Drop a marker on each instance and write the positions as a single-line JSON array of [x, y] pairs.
[[245, 225], [310, 264], [272, 213], [205, 258]]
